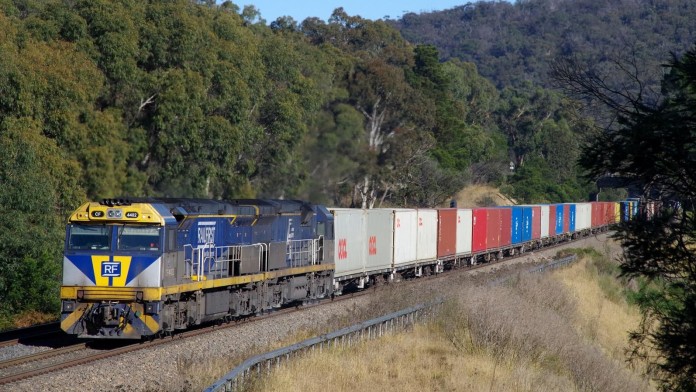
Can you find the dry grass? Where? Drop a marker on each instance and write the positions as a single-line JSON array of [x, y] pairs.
[[194, 373], [539, 333], [602, 314], [480, 196], [431, 363], [32, 317]]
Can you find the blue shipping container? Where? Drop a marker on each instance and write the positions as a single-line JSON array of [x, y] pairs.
[[625, 211], [516, 227], [634, 203], [573, 211], [559, 218], [527, 223]]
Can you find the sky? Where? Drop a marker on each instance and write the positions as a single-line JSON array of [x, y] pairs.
[[369, 9]]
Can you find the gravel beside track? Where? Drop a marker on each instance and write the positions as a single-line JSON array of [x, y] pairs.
[[20, 350], [168, 367]]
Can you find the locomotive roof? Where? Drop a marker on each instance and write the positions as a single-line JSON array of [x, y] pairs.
[[216, 207]]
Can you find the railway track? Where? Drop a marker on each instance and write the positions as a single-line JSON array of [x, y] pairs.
[[83, 353], [29, 334], [24, 367]]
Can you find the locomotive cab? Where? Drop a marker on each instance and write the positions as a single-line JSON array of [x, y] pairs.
[[111, 270]]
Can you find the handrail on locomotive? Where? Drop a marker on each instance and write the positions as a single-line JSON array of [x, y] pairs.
[[213, 262]]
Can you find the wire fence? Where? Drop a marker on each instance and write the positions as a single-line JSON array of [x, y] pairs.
[[565, 261], [236, 379], [562, 262]]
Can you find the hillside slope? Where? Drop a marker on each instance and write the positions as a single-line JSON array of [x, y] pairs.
[[562, 331], [515, 43]]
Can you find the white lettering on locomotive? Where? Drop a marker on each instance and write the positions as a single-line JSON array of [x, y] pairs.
[[206, 233]]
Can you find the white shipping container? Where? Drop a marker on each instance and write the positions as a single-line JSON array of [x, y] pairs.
[[349, 241], [583, 216], [426, 247], [544, 221], [405, 236], [379, 240], [464, 234]]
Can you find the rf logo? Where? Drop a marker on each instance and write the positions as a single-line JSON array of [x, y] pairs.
[[342, 249], [111, 268], [372, 245]]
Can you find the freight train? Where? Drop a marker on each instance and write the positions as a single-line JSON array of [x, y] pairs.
[[146, 267]]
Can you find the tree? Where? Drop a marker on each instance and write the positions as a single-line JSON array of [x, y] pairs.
[[655, 144], [371, 79], [40, 186]]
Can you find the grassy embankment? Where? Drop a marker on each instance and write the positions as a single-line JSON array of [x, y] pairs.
[[561, 331], [26, 319]]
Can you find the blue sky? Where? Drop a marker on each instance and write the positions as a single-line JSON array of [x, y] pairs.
[[369, 9]]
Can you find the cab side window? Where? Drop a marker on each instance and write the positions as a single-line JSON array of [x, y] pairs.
[[171, 240]]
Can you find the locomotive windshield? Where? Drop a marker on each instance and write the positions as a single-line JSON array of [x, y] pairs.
[[89, 237], [128, 237], [138, 238]]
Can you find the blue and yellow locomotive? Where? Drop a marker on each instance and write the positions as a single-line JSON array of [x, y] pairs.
[[138, 268]]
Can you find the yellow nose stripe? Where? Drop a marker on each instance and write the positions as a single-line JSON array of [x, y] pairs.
[[123, 263]]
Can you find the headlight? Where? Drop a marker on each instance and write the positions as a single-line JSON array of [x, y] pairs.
[[152, 307], [68, 306]]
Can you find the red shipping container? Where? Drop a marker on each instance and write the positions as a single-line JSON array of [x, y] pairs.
[[593, 220], [536, 222], [479, 230], [446, 232], [552, 220], [608, 212], [566, 218], [602, 214], [493, 228], [612, 213], [505, 226], [596, 214]]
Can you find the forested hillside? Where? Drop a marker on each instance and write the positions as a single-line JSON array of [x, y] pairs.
[[528, 49], [517, 42]]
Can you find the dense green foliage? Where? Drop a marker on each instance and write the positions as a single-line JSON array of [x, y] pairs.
[[516, 42], [520, 46], [660, 251]]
